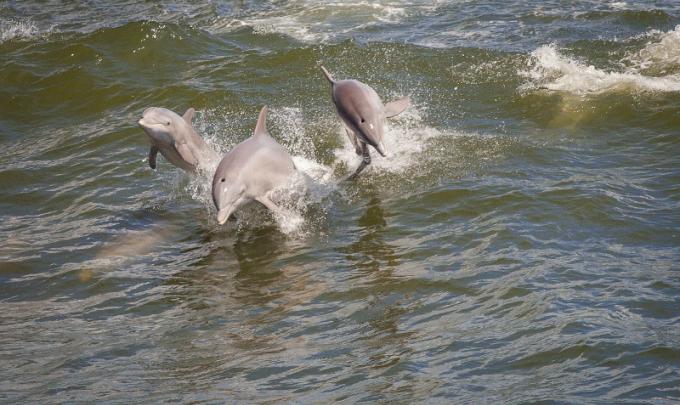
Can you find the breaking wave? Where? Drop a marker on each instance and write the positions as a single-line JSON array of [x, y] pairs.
[[655, 68]]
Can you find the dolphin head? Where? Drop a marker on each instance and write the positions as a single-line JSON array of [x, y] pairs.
[[161, 124], [227, 195], [361, 109]]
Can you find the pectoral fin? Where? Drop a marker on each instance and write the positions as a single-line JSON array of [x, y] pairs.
[[264, 200], [153, 151], [353, 138], [186, 154], [397, 106]]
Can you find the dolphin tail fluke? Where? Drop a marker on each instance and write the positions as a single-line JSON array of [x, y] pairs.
[[261, 127], [328, 75], [397, 106], [153, 151]]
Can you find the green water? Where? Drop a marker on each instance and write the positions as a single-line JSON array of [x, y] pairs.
[[520, 242]]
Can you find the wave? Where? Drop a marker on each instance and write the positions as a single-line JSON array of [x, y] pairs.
[[312, 21], [550, 69], [660, 56]]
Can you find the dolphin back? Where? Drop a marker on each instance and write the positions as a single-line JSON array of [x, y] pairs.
[[259, 163]]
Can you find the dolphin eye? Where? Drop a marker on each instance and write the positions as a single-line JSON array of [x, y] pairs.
[[222, 180], [363, 120], [167, 123]]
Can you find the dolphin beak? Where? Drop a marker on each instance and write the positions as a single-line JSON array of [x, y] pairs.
[[223, 214], [381, 149]]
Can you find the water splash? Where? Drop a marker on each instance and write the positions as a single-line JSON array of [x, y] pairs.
[[406, 137], [18, 29], [290, 131]]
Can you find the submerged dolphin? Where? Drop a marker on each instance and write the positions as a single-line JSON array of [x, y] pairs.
[[250, 170], [364, 114], [176, 139]]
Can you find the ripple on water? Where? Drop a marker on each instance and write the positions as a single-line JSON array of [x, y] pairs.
[[519, 244]]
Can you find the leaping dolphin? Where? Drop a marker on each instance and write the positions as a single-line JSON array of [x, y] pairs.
[[175, 138], [251, 170], [362, 111]]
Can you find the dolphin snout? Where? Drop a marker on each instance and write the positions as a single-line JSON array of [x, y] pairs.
[[223, 214], [141, 120], [381, 149]]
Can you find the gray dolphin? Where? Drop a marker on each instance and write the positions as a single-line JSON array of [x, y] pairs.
[[176, 139], [362, 111], [250, 170]]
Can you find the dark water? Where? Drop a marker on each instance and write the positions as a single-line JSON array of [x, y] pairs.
[[520, 243]]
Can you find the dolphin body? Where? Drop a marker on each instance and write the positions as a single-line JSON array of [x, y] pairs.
[[175, 138], [363, 113], [250, 170]]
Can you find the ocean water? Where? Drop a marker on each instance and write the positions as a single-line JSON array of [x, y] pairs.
[[519, 244]]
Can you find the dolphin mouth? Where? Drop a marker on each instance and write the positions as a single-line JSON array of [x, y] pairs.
[[371, 140], [147, 123], [223, 214], [381, 149]]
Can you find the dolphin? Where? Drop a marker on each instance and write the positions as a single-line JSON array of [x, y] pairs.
[[363, 113], [250, 170], [176, 139]]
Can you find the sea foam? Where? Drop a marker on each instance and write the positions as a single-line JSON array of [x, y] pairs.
[[651, 69]]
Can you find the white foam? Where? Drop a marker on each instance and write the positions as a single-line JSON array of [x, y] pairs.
[[548, 68], [660, 55], [17, 29]]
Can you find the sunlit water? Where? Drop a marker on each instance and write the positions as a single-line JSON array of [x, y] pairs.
[[519, 243]]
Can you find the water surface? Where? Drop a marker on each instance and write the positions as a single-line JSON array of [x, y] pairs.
[[520, 243]]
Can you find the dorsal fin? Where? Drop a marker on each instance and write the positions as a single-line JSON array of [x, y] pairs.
[[189, 115], [261, 127], [328, 75]]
